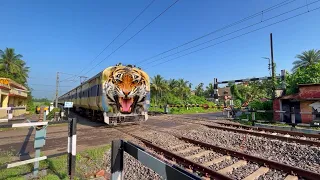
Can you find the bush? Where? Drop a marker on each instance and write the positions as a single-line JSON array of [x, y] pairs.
[[51, 113], [259, 105]]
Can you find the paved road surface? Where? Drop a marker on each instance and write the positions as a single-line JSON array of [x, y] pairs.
[[89, 134]]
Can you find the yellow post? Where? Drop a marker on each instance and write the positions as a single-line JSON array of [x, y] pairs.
[[5, 100]]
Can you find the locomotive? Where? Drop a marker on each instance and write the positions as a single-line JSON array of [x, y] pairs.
[[119, 94]]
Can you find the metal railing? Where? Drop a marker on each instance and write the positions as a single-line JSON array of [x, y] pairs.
[[39, 142], [165, 170], [292, 112]]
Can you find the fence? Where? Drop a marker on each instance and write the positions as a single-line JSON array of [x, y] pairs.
[[39, 142], [231, 113], [165, 170], [7, 113]]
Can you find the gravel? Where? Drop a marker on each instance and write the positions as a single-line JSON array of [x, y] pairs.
[[302, 156], [272, 174], [133, 169], [244, 171], [224, 164]]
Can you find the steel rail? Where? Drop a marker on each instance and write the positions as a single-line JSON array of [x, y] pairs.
[[289, 139], [186, 162], [272, 130], [265, 162]]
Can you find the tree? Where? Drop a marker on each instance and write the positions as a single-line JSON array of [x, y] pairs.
[[306, 59], [183, 88], [13, 66], [199, 90], [210, 90], [310, 74], [158, 86]]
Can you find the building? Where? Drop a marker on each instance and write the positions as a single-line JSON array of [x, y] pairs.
[[12, 94], [306, 101]]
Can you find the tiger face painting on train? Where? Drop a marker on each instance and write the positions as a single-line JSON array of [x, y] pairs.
[[125, 89], [118, 94]]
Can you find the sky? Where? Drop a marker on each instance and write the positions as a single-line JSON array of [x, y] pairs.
[[67, 36]]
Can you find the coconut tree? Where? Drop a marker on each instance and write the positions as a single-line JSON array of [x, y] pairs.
[[307, 58], [13, 66], [183, 88], [210, 90], [199, 90], [158, 86]]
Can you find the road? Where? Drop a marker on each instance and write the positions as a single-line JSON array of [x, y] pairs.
[[89, 134]]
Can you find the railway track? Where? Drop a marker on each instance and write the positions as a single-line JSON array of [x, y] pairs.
[[213, 162], [288, 136]]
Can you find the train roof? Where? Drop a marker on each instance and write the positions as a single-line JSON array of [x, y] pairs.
[[98, 74]]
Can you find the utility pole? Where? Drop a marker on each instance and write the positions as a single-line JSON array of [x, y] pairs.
[[273, 69], [57, 89]]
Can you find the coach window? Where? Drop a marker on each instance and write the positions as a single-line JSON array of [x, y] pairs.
[[98, 90]]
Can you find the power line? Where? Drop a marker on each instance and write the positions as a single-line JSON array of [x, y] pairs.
[[120, 33], [233, 32], [237, 36], [134, 35], [223, 28], [47, 85]]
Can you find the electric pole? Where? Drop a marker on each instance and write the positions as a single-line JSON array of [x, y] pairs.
[[273, 70], [57, 89]]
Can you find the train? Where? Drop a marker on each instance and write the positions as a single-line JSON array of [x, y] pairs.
[[119, 94]]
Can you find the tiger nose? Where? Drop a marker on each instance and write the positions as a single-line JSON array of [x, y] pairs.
[[126, 92]]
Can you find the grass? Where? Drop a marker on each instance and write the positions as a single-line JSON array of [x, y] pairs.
[[87, 163]]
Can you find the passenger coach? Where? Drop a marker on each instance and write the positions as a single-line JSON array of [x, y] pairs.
[[118, 94]]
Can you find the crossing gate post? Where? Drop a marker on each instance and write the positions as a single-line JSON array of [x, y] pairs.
[[215, 89], [10, 114], [293, 117], [253, 115], [117, 160], [39, 140], [72, 143]]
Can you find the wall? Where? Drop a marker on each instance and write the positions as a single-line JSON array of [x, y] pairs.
[[304, 107], [276, 107], [309, 92]]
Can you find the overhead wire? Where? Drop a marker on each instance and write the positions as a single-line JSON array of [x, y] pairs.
[[47, 85], [283, 3], [252, 25], [237, 36], [120, 34], [135, 34]]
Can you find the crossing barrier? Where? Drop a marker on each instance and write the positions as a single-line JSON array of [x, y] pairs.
[[10, 113], [292, 113], [39, 142]]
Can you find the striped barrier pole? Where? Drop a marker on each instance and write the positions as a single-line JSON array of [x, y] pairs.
[[72, 143]]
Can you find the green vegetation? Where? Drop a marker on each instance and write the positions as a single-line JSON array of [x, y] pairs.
[[51, 113], [178, 92], [12, 66], [88, 163], [304, 75], [307, 58]]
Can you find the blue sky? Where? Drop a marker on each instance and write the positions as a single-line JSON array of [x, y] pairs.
[[66, 36]]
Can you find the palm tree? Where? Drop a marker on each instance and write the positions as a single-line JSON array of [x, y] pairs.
[[13, 66], [158, 86], [306, 58], [210, 90], [199, 90], [183, 88]]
